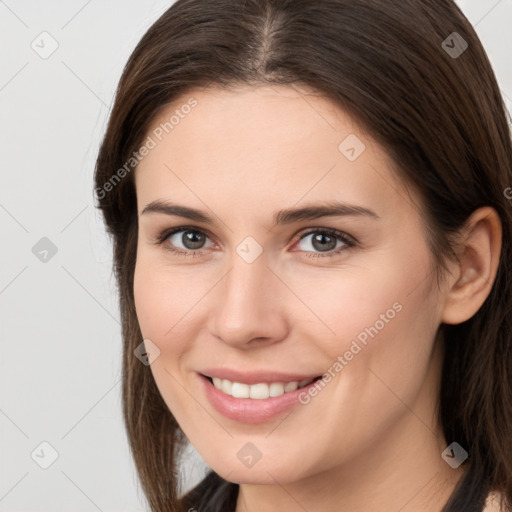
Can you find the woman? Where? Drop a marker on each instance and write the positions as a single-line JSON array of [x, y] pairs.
[[312, 241]]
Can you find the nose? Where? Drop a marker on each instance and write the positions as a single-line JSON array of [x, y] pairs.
[[250, 306]]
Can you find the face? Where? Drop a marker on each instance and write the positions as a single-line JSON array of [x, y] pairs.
[[307, 260]]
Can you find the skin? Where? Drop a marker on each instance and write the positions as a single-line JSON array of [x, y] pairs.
[[371, 439]]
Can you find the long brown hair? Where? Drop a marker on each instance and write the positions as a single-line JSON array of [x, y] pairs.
[[435, 106]]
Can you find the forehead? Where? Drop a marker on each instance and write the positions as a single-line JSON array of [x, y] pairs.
[[272, 143], [253, 116]]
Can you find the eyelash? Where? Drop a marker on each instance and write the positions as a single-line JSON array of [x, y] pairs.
[[349, 241]]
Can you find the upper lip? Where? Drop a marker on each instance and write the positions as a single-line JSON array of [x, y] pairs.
[[256, 377]]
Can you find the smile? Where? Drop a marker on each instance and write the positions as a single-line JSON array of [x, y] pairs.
[[254, 402], [259, 391]]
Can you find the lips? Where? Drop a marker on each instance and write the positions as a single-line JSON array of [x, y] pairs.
[[256, 396]]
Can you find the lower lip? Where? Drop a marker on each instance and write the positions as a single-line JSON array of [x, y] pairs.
[[249, 410]]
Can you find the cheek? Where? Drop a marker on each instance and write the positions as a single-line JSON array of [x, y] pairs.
[[377, 361], [353, 304], [382, 318], [385, 296], [386, 346], [165, 300], [150, 300], [162, 301]]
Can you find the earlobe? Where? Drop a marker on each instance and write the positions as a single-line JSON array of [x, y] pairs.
[[478, 261]]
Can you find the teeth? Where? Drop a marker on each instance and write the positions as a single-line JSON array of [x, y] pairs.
[[291, 386], [226, 386], [257, 391], [276, 389], [239, 390]]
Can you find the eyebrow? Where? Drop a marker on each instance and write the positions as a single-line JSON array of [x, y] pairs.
[[287, 216]]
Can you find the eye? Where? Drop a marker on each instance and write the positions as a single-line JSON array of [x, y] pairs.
[[183, 240], [325, 241]]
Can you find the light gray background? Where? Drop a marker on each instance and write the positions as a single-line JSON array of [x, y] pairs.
[[60, 334]]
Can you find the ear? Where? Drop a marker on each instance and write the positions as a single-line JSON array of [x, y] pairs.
[[476, 268]]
